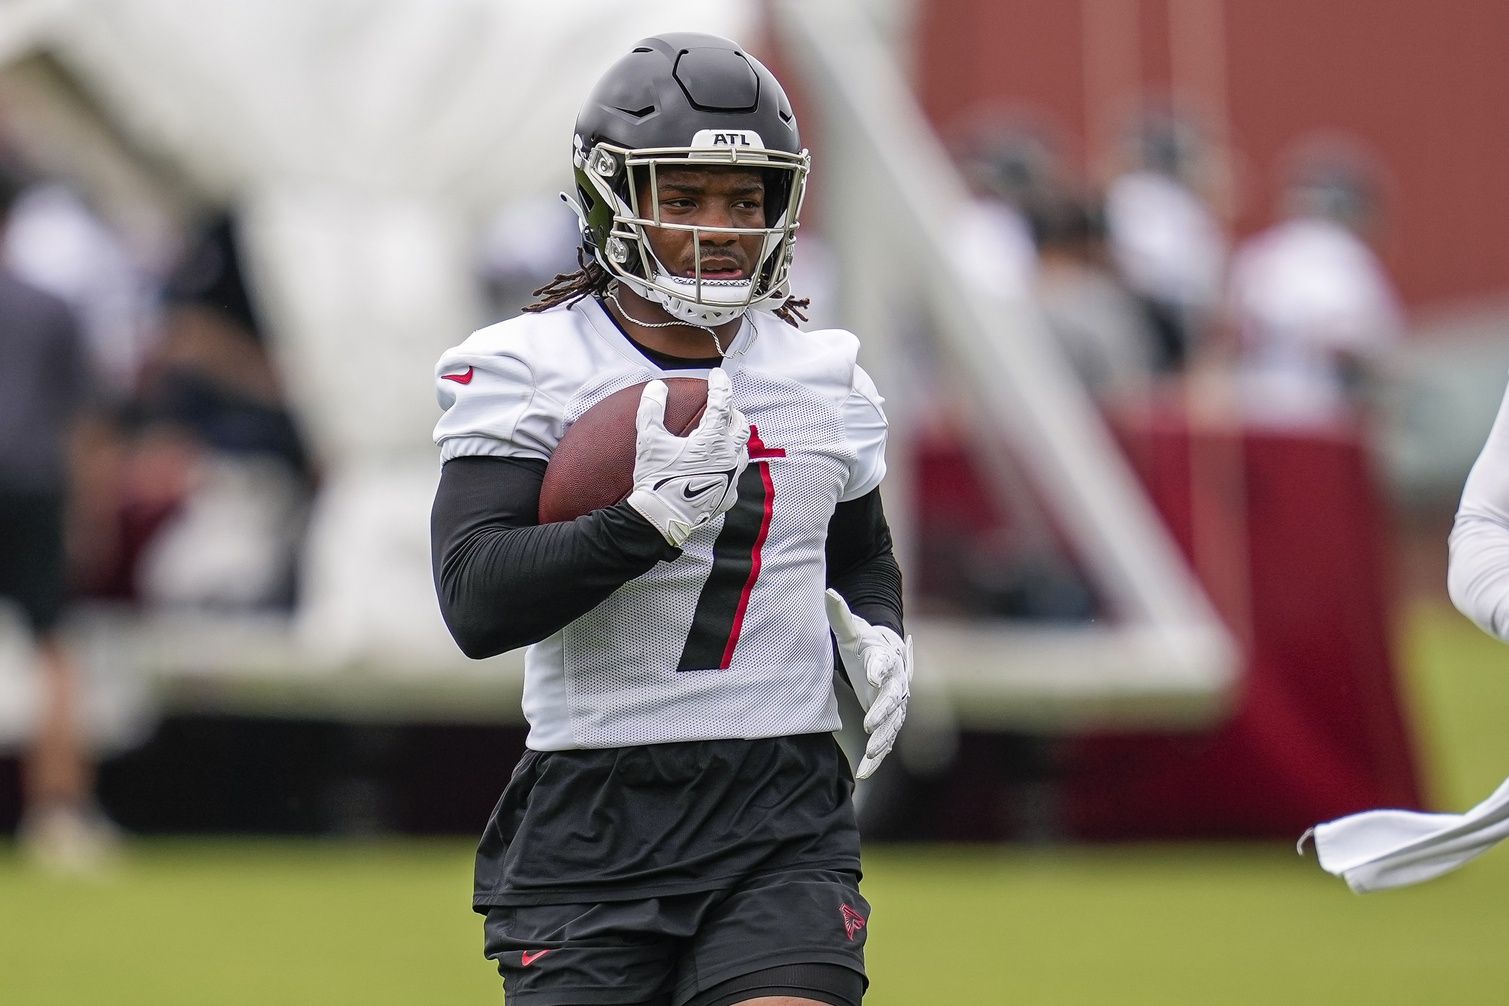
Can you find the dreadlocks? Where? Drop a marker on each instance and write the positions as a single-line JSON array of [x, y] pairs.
[[589, 280], [794, 310], [592, 280]]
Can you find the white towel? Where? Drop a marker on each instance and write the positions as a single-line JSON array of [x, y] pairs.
[[1379, 849]]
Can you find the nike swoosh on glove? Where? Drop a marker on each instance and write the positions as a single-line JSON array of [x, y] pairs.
[[681, 483], [886, 660]]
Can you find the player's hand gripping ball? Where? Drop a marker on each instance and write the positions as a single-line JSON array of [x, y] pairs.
[[681, 483], [593, 465], [663, 426]]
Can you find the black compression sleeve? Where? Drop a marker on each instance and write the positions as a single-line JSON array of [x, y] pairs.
[[504, 580], [861, 564]]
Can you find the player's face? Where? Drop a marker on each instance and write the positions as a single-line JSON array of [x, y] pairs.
[[705, 197]]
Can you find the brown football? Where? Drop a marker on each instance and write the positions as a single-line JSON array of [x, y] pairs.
[[593, 465]]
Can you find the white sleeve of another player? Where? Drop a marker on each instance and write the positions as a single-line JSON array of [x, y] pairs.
[[492, 406], [865, 424], [1478, 571]]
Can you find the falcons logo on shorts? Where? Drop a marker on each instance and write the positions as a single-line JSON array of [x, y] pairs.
[[853, 921]]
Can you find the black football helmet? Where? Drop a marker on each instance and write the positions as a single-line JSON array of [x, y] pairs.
[[676, 98]]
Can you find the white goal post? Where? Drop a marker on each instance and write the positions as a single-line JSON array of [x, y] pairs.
[[1165, 657]]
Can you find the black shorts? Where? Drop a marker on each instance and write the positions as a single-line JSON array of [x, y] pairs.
[[32, 565], [657, 874], [800, 933]]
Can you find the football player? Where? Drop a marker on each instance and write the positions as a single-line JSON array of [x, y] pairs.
[[1478, 567], [1376, 850], [680, 829]]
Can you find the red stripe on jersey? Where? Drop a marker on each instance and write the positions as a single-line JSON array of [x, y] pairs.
[[757, 448], [754, 566]]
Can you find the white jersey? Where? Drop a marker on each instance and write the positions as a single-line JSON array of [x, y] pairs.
[[729, 640], [1478, 571], [1305, 293]]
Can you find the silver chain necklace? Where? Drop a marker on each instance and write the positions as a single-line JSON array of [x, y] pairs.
[[612, 295]]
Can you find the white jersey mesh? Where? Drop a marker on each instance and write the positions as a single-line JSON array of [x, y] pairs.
[[621, 659], [624, 673]]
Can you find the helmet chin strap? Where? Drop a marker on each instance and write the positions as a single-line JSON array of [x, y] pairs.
[[665, 289], [612, 295], [700, 314]]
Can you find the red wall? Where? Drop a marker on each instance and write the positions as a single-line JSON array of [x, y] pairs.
[[1421, 85]]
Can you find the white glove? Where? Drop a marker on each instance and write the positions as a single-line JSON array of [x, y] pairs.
[[681, 483], [886, 660]]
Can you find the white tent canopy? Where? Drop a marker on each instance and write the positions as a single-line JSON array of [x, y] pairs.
[[362, 143]]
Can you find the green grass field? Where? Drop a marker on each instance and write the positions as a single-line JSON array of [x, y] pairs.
[[263, 922]]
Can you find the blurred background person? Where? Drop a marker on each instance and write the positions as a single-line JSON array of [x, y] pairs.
[[48, 418], [1086, 305], [59, 240], [1008, 167], [1314, 311], [211, 414], [1165, 238]]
